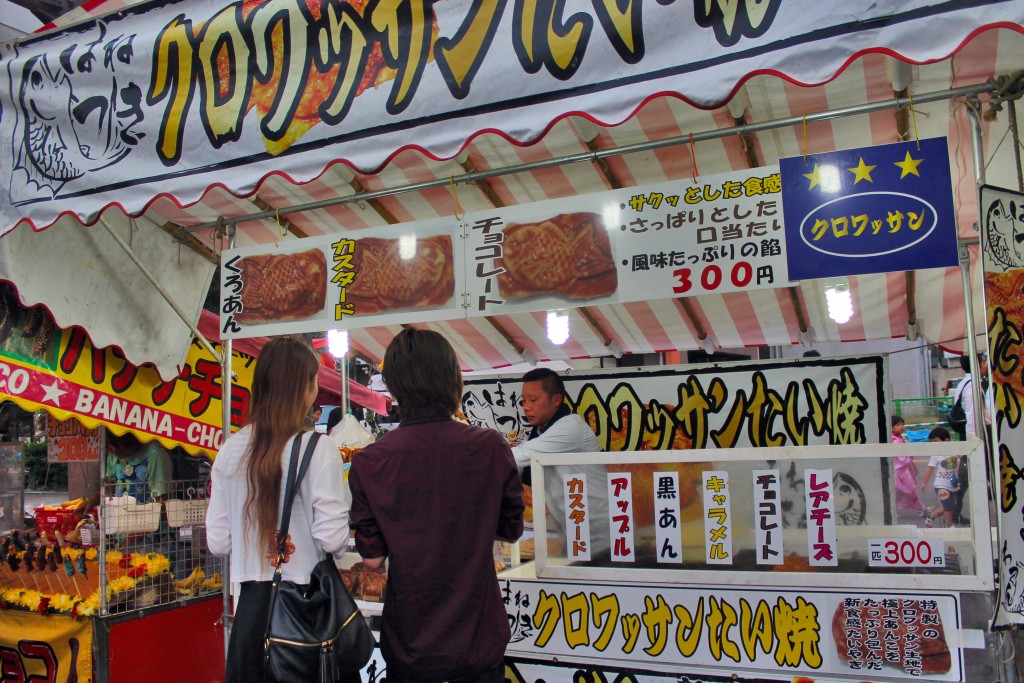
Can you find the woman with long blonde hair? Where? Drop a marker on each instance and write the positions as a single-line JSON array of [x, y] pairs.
[[247, 489]]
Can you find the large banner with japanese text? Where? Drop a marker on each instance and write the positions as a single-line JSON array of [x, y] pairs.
[[60, 372], [795, 402], [721, 234], [1003, 259], [792, 402], [881, 209], [742, 631], [36, 647], [175, 96]]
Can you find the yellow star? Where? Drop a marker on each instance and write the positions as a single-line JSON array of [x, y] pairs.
[[861, 172], [909, 165], [813, 177]]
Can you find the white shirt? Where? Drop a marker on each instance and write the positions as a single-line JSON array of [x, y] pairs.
[[964, 389], [319, 521], [945, 469], [571, 434]]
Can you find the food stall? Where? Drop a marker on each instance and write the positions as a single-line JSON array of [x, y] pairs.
[[92, 596], [604, 95]]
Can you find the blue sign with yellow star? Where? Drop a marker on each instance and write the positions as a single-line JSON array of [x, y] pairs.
[[869, 210]]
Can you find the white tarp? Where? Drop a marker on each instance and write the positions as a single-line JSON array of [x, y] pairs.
[[85, 279]]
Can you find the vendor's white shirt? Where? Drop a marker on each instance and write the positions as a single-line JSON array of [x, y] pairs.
[[571, 434], [319, 519]]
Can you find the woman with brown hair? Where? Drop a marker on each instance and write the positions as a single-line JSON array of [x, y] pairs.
[[247, 488], [431, 496]]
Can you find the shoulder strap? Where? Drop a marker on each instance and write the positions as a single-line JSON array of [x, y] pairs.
[[962, 389], [293, 481]]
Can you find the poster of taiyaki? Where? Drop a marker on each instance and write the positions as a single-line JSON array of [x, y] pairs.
[[721, 233], [726, 634], [1002, 235], [392, 275]]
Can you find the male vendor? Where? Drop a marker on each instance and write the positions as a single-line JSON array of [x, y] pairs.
[[556, 429]]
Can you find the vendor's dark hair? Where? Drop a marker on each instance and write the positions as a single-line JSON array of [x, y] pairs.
[[549, 380], [285, 371], [421, 370], [940, 433]]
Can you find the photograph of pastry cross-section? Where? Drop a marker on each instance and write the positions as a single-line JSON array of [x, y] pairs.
[[408, 272], [568, 255], [280, 287]]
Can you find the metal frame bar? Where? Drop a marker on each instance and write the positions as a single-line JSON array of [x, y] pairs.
[[595, 156], [227, 375]]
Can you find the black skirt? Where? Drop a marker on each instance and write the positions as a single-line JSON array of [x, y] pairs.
[[245, 662]]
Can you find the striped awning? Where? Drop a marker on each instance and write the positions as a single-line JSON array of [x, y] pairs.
[[884, 305]]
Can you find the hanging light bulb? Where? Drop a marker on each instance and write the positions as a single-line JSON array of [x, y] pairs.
[[558, 327], [839, 300], [337, 343]]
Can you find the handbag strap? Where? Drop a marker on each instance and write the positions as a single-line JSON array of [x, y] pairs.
[[296, 472]]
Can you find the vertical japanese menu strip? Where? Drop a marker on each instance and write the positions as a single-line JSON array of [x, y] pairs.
[[767, 517], [666, 516], [620, 517], [717, 518], [1003, 257], [821, 518], [577, 517]]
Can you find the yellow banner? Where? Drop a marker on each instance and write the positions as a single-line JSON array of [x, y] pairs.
[[60, 372], [34, 647]]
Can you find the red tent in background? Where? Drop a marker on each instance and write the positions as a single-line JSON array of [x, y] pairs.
[[329, 379]]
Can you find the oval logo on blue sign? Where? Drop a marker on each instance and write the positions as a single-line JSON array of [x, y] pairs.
[[868, 224]]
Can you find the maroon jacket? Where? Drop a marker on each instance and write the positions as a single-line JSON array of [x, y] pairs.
[[432, 496]]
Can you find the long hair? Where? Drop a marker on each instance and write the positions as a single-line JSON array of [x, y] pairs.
[[421, 370], [285, 371]]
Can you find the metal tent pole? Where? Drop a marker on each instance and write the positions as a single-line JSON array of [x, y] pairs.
[[977, 393], [226, 377]]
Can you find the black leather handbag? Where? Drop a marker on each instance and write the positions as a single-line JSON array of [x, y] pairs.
[[314, 631]]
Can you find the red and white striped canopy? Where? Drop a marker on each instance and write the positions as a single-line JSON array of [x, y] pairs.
[[882, 306]]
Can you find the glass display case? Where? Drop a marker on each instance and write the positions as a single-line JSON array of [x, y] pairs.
[[816, 516]]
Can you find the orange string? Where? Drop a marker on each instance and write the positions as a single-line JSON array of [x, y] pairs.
[[693, 158]]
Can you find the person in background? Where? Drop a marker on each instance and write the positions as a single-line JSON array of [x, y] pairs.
[[333, 418], [142, 471], [314, 415], [945, 482], [974, 426], [431, 496], [556, 429], [245, 497], [907, 496]]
